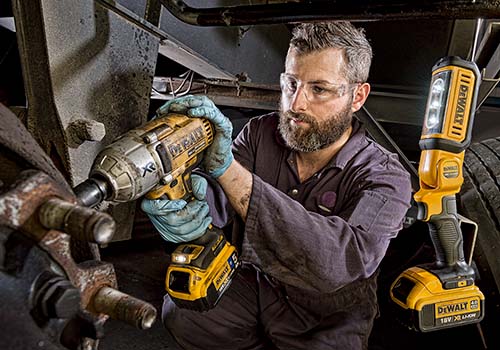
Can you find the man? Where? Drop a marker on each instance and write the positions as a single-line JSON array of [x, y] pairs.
[[319, 201]]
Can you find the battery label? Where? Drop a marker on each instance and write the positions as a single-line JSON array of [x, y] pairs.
[[458, 318], [459, 310], [222, 278], [457, 307], [233, 259]]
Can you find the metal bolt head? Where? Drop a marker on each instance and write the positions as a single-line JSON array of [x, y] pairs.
[[94, 130], [81, 130], [62, 300], [104, 229]]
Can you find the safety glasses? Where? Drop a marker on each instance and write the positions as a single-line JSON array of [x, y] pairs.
[[315, 91]]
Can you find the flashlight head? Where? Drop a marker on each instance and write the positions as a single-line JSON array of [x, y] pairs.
[[451, 105]]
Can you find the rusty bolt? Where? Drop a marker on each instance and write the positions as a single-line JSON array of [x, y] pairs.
[[81, 130], [123, 307], [80, 222], [60, 299]]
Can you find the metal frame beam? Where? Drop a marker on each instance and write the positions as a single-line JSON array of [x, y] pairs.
[[306, 11]]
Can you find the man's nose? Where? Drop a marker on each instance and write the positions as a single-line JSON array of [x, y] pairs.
[[299, 100]]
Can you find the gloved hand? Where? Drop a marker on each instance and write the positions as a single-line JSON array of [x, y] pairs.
[[178, 221], [218, 157]]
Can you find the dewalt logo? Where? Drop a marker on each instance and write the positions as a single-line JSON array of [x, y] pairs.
[[450, 171], [221, 280], [452, 308], [457, 307], [463, 94]]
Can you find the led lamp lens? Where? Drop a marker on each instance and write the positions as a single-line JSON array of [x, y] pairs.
[[436, 103], [438, 85], [180, 258], [432, 119]]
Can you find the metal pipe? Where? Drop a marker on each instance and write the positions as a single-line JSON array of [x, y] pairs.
[[123, 307], [130, 16], [307, 11], [475, 42], [381, 136]]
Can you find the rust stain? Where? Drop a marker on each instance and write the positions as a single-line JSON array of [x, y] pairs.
[[18, 205]]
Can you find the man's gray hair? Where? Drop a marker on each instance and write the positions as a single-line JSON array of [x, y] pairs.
[[311, 37]]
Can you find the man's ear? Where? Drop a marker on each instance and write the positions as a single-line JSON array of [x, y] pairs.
[[360, 96]]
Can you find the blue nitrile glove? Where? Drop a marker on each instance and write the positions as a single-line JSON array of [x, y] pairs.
[[218, 156], [178, 221]]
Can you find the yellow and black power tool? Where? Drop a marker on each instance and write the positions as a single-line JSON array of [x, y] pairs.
[[443, 294], [156, 160]]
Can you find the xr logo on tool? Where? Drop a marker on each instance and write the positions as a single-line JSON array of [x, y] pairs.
[[149, 168]]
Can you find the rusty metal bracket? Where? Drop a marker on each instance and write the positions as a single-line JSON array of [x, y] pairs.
[[18, 206]]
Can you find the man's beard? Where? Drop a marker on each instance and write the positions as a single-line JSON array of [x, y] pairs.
[[319, 134]]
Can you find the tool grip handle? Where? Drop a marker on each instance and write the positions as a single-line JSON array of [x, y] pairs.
[[184, 188], [179, 188], [446, 235]]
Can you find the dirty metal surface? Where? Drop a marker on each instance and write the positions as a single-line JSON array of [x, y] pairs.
[[124, 307], [19, 291], [88, 277], [18, 209], [19, 204], [15, 137], [89, 65], [182, 53], [98, 67]]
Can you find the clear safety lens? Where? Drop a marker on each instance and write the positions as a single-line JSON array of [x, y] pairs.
[[315, 91]]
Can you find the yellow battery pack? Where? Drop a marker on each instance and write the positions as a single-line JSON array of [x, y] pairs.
[[200, 271], [426, 306]]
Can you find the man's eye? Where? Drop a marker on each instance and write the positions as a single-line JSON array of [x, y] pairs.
[[319, 90], [292, 85]]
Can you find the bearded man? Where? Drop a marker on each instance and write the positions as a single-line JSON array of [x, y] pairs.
[[318, 203]]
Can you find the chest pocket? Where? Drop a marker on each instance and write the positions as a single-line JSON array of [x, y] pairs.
[[370, 211]]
